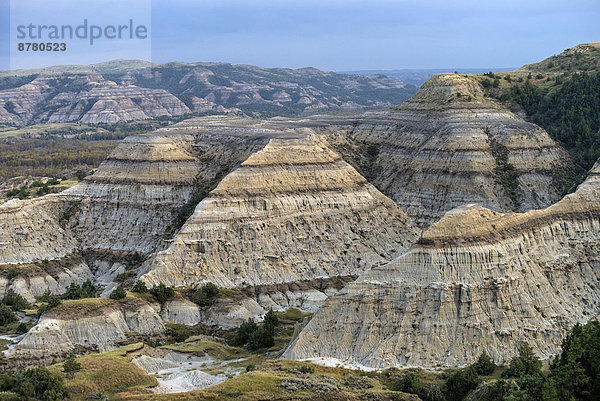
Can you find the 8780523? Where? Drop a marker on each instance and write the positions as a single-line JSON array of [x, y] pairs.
[[41, 47]]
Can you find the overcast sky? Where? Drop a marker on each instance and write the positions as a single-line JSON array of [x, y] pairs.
[[375, 34]]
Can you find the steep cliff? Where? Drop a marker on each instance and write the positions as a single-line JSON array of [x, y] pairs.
[[449, 145], [477, 280], [292, 211]]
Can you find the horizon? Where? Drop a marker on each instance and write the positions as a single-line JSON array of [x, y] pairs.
[[275, 67], [331, 35]]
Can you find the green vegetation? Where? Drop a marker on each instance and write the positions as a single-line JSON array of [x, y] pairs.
[[85, 290], [140, 287], [106, 374], [505, 172], [575, 373], [485, 365], [118, 293], [50, 157], [161, 292], [255, 336], [36, 384], [7, 315], [71, 366], [566, 105], [15, 301], [205, 296]]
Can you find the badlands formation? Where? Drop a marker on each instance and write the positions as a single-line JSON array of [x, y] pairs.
[[288, 211], [449, 145], [476, 281], [292, 211], [126, 90]]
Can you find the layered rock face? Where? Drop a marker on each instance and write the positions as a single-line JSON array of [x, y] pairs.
[[292, 211], [97, 324], [87, 98], [31, 230], [476, 281], [449, 145], [133, 90], [129, 203]]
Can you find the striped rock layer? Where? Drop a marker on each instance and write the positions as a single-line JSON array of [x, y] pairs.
[[476, 281], [292, 211]]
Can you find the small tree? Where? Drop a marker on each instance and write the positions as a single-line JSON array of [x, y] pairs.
[[42, 384], [260, 338], [526, 364], [89, 290], [22, 328], [244, 331], [410, 383], [6, 315], [460, 382], [485, 365], [271, 321], [14, 300], [74, 291], [205, 295], [118, 293], [434, 393], [139, 287], [71, 366], [161, 292]]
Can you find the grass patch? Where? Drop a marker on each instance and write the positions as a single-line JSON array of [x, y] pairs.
[[202, 345], [108, 373]]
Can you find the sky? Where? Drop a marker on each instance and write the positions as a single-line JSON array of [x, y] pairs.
[[327, 34]]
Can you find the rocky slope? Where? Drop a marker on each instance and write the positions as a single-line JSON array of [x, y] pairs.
[[477, 280], [131, 204], [86, 98], [93, 324], [449, 145], [129, 90], [292, 211], [317, 217]]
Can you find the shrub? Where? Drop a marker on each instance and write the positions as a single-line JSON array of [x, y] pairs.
[[179, 332], [12, 273], [162, 293], [71, 366], [7, 315], [307, 370], [460, 382], [410, 383], [205, 295], [139, 287], [118, 293], [42, 384], [243, 332], [76, 291], [485, 365], [22, 328], [135, 259], [14, 300], [51, 302], [434, 393], [261, 338], [271, 321]]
